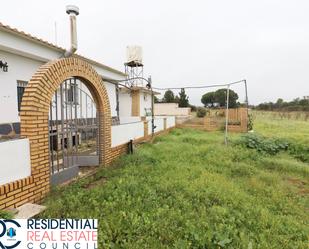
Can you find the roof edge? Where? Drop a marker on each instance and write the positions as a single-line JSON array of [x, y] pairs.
[[35, 39]]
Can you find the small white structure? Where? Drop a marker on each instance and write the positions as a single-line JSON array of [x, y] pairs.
[[171, 109]]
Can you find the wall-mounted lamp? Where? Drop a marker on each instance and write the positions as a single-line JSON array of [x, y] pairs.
[[4, 66]]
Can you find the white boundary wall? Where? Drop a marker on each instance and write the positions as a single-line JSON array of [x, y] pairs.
[[14, 160], [125, 120], [124, 133], [171, 109], [170, 122], [158, 122]]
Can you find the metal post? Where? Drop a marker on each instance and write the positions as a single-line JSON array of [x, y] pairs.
[[152, 107], [247, 102], [66, 122], [76, 124], [62, 124], [227, 114], [51, 136], [57, 132]]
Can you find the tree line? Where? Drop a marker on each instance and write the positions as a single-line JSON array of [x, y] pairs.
[[217, 99], [209, 99], [182, 98], [298, 104]]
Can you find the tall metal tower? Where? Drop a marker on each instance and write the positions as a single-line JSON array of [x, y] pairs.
[[134, 67]]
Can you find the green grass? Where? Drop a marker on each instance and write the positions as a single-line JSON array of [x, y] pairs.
[[270, 124], [188, 190], [5, 214]]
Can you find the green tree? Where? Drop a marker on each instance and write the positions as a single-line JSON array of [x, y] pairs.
[[208, 99], [169, 97], [156, 99], [279, 103], [183, 98], [304, 102], [220, 97]]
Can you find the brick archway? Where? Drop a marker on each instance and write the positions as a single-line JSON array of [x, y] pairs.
[[35, 109]]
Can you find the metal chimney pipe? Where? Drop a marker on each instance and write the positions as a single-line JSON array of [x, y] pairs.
[[72, 11]]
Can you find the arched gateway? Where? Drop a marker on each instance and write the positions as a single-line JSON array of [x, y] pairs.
[[35, 115]]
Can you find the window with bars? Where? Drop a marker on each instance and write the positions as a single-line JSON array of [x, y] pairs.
[[20, 92], [72, 92]]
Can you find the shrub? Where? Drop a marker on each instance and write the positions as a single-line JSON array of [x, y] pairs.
[[269, 146], [193, 108], [299, 152], [201, 112]]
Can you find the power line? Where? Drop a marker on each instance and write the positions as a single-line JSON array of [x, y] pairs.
[[199, 87], [227, 85], [176, 88]]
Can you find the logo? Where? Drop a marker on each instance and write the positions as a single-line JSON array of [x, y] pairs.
[[7, 233], [11, 232], [48, 233]]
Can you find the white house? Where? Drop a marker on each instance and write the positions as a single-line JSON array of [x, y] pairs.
[[21, 55]]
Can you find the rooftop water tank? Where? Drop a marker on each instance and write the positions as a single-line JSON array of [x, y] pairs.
[[134, 55]]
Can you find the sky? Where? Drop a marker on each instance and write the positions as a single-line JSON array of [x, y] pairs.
[[186, 43]]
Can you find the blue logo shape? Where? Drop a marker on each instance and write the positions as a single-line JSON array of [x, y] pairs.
[[11, 232]]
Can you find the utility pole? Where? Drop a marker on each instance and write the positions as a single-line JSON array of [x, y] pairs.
[[247, 102], [227, 114], [149, 86]]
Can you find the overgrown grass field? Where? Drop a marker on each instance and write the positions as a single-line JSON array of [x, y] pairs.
[[188, 190], [290, 126]]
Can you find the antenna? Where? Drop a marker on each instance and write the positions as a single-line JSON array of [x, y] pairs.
[[56, 35]]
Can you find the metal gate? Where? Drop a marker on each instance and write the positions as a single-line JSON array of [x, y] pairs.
[[73, 131]]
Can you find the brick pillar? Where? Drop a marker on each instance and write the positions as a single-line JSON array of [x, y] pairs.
[[145, 129]]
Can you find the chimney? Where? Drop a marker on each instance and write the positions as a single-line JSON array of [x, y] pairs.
[[72, 11]]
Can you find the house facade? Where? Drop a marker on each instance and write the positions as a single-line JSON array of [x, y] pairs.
[[59, 114]]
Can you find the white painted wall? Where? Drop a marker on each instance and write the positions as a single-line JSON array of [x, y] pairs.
[[158, 122], [20, 68], [171, 109], [125, 120], [125, 104], [14, 160], [124, 133], [111, 92], [145, 102], [170, 121]]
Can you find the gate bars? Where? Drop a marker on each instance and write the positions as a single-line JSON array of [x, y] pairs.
[[67, 132]]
